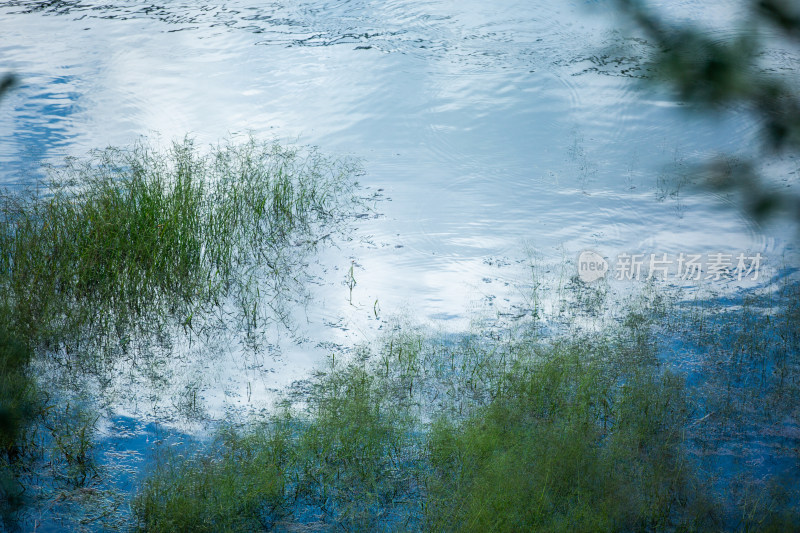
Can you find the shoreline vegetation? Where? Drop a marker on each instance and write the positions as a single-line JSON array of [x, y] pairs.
[[663, 414]]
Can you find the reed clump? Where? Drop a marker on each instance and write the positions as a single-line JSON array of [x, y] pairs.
[[667, 416], [126, 247], [581, 434], [131, 237]]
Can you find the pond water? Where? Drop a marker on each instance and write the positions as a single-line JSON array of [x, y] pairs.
[[489, 131]]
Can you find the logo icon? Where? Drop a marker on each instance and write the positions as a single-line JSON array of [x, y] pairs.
[[591, 266]]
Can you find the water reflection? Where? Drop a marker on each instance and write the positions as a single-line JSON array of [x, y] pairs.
[[488, 126]]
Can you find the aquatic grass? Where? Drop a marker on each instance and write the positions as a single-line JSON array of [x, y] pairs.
[[47, 449], [508, 430], [565, 450], [347, 461], [482, 433], [129, 235], [242, 488], [746, 352], [358, 452], [102, 264], [60, 473], [577, 426], [70, 439], [741, 357]]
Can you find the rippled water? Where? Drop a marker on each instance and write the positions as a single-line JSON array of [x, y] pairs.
[[491, 131]]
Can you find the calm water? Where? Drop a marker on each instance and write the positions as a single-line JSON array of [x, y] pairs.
[[492, 130]]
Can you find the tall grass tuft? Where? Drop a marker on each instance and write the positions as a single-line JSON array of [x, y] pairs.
[[127, 245], [569, 446], [486, 434], [131, 237]]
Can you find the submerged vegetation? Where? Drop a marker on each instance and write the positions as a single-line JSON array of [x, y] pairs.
[[130, 237], [581, 414], [530, 431], [127, 247], [17, 407]]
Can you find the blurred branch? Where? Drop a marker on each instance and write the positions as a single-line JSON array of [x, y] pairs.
[[7, 81], [783, 14], [715, 75]]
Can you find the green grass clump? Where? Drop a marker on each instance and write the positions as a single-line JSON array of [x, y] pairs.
[[583, 434], [358, 454], [138, 234], [128, 246], [569, 446], [241, 489], [346, 459]]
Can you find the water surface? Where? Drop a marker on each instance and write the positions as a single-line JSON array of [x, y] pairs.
[[489, 132]]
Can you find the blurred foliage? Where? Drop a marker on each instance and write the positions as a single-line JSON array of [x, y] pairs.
[[717, 75], [18, 406], [17, 402], [7, 81]]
